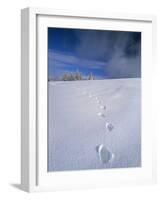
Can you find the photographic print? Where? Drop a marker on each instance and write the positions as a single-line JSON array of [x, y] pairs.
[[94, 99]]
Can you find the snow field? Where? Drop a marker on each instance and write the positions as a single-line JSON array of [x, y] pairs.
[[85, 116]]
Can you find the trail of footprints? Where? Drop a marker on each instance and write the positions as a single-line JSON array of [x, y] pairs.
[[105, 155]]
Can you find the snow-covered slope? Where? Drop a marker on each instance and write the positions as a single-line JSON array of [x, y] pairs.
[[85, 114]]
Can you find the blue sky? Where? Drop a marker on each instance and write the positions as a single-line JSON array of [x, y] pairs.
[[107, 54]]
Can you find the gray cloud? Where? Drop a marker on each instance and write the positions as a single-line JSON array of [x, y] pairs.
[[121, 51]]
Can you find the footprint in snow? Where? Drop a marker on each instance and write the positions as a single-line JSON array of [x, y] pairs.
[[109, 126], [101, 115], [98, 101], [105, 155], [102, 107]]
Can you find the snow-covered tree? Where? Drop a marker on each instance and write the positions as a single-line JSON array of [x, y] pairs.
[[72, 76], [90, 77], [65, 77]]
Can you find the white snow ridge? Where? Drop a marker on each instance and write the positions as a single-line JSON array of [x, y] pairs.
[[90, 95]]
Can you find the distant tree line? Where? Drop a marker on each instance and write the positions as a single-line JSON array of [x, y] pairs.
[[71, 77]]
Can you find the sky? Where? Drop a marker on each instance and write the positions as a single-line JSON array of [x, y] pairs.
[[105, 54]]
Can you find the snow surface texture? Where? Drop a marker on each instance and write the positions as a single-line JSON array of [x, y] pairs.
[[84, 116]]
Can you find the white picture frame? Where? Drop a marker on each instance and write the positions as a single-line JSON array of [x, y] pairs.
[[34, 175]]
